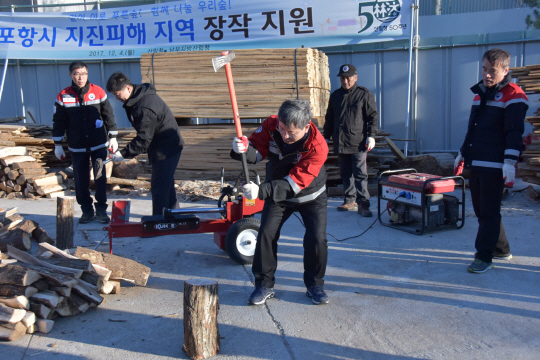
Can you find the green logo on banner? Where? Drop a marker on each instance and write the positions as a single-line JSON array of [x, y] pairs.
[[384, 11]]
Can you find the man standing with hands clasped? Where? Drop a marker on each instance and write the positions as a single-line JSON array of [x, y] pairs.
[[490, 151], [351, 121], [83, 111], [295, 182]]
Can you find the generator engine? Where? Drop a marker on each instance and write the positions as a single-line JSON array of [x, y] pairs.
[[440, 209]]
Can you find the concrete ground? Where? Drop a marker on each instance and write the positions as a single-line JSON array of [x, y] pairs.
[[393, 295]]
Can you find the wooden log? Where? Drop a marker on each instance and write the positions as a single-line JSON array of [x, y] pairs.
[[87, 292], [106, 287], [12, 151], [32, 172], [122, 268], [41, 236], [26, 165], [46, 180], [41, 285], [9, 290], [10, 315], [12, 174], [31, 329], [29, 319], [64, 222], [12, 332], [18, 275], [134, 183], [44, 326], [7, 213], [29, 259], [116, 286], [15, 159], [55, 278], [44, 190], [201, 332], [16, 238], [41, 311], [62, 290], [28, 226], [16, 302], [63, 308], [10, 223], [92, 279], [77, 303], [79, 264], [47, 297]]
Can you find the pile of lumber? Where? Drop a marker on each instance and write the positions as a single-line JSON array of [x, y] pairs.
[[35, 290], [22, 176], [529, 79], [16, 231], [263, 79]]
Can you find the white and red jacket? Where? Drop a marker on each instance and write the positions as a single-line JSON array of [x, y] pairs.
[[86, 116], [496, 125], [296, 177]]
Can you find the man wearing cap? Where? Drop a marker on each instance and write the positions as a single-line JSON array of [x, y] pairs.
[[351, 122]]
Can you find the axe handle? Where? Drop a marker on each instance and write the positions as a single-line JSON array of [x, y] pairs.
[[237, 123]]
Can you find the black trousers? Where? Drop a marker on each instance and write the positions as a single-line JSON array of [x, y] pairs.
[[353, 172], [81, 174], [162, 182], [273, 217], [486, 192]]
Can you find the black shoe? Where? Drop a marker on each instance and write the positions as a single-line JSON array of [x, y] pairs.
[[102, 217], [260, 294], [317, 295], [86, 218], [363, 209]]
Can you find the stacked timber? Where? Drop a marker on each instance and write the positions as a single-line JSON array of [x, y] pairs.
[[21, 176], [529, 79], [35, 290], [263, 79]]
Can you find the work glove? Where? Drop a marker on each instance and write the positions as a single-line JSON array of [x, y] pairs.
[[113, 145], [117, 156], [458, 165], [509, 172], [251, 190], [59, 152], [370, 143], [240, 145]]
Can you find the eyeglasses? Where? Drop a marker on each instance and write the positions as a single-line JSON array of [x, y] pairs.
[[80, 74], [288, 134]]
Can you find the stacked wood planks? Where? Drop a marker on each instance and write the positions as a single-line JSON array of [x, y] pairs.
[[36, 289], [529, 79], [263, 79]]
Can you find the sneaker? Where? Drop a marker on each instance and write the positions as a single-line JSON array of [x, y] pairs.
[[317, 295], [86, 218], [260, 294], [501, 256], [363, 210], [478, 266], [102, 217], [348, 207]]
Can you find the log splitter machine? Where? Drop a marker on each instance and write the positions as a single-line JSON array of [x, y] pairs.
[[236, 231]]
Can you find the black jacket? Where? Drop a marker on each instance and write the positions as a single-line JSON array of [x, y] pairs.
[[86, 115], [351, 118], [157, 130], [496, 124]]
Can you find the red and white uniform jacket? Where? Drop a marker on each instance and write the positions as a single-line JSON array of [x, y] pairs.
[[296, 177]]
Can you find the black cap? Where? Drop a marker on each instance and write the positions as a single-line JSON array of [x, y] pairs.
[[347, 70]]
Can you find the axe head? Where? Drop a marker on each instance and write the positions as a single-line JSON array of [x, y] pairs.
[[220, 61]]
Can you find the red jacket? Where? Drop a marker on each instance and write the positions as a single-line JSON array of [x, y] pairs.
[[296, 177]]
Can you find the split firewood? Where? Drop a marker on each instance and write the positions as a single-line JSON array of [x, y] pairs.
[[41, 285], [63, 308], [46, 255], [122, 268], [7, 261], [18, 275], [44, 325], [16, 302], [9, 290], [48, 298], [55, 278], [78, 264], [31, 329], [77, 304], [10, 315], [26, 165], [16, 159], [41, 311], [12, 332], [92, 279], [28, 226], [29, 259], [87, 292], [62, 290], [41, 236], [13, 151], [46, 180], [29, 319], [44, 190], [106, 287], [16, 238], [10, 222]]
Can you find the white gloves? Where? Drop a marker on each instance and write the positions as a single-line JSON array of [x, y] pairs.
[[240, 145], [251, 190], [117, 156], [113, 145], [458, 165], [509, 172], [370, 143], [59, 152]]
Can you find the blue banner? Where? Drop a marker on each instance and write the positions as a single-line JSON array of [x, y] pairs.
[[176, 26]]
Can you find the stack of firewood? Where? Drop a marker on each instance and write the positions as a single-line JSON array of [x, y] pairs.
[[21, 176], [36, 289], [529, 79]]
